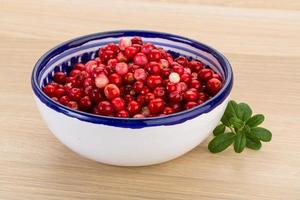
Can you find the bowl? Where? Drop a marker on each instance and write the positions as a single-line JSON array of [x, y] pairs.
[[129, 141]]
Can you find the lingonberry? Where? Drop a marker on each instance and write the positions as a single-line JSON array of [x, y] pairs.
[[101, 81], [79, 66], [182, 61], [128, 98], [140, 59], [74, 72], [186, 78], [112, 62], [115, 79], [217, 76], [130, 52], [190, 105], [129, 78], [190, 95], [125, 42], [154, 68], [105, 108], [178, 69], [88, 82], [60, 77], [50, 90], [138, 86], [148, 97], [176, 107], [140, 75], [141, 99], [111, 91], [205, 74], [145, 90], [59, 92], [139, 116], [133, 107], [85, 103], [168, 110], [146, 48], [123, 114], [195, 84], [136, 40], [175, 96], [154, 55], [75, 94], [95, 95], [73, 105], [64, 100], [154, 81], [156, 106], [195, 66], [121, 68], [159, 92], [118, 104], [121, 57], [203, 96], [213, 86]]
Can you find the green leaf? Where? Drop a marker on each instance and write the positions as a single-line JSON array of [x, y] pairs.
[[221, 142], [254, 144], [261, 134], [230, 111], [240, 142], [244, 111], [236, 122], [219, 129], [255, 120]]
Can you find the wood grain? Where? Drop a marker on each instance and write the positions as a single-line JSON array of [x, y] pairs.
[[261, 40]]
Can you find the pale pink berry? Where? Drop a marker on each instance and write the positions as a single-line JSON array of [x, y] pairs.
[[101, 81], [187, 70], [121, 68], [164, 63], [124, 42], [174, 77], [140, 74]]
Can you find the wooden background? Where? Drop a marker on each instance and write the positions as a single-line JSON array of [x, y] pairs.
[[261, 40]]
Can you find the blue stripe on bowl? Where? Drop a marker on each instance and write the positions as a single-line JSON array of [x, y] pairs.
[[57, 53]]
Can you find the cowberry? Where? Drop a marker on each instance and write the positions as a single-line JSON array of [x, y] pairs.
[[111, 91], [105, 108], [156, 106]]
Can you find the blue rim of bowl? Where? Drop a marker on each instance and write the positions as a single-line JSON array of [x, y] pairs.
[[172, 119]]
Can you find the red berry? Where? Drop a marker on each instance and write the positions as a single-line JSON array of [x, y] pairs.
[[182, 61], [111, 91], [129, 78], [105, 108], [159, 92], [178, 69], [128, 98], [115, 79], [59, 92], [195, 66], [79, 66], [154, 55], [164, 63], [90, 66], [139, 116], [85, 103], [168, 110], [50, 90], [140, 59], [146, 48], [75, 94], [186, 78], [64, 100], [203, 96], [118, 104], [148, 97], [105, 55], [154, 81], [73, 105], [121, 68], [176, 107], [88, 82], [133, 107], [145, 90], [95, 95], [171, 87], [121, 57], [181, 86], [123, 114], [112, 62], [213, 86], [154, 68], [74, 72], [130, 52], [190, 95], [54, 98], [205, 74], [217, 76], [156, 106], [195, 84], [141, 100], [60, 77], [165, 72], [101, 81], [190, 105], [136, 40], [175, 97], [138, 86]]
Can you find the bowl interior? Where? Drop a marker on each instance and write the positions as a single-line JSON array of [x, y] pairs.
[[83, 49]]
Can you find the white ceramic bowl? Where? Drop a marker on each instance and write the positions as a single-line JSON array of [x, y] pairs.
[[129, 142]]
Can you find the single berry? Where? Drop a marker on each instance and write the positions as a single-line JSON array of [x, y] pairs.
[[156, 106], [121, 68], [133, 107], [213, 86], [111, 91], [105, 108], [118, 104], [101, 81]]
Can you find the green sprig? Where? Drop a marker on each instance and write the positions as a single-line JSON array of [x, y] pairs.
[[243, 130]]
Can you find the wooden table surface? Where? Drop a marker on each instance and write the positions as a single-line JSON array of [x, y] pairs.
[[261, 40]]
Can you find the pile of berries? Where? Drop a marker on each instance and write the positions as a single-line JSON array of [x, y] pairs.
[[134, 79]]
